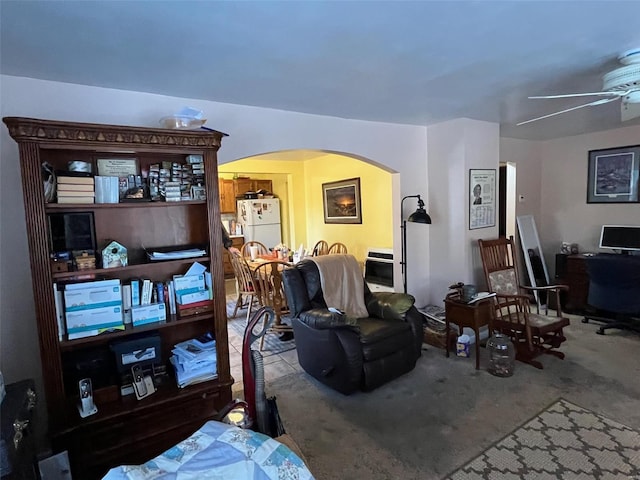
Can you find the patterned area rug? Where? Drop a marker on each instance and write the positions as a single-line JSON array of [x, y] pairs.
[[272, 343], [565, 442]]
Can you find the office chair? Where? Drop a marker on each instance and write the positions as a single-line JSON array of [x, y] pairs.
[[614, 291]]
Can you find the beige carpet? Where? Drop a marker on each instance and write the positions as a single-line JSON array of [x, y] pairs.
[[442, 415], [564, 442]]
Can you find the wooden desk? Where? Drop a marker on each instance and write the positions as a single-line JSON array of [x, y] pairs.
[[473, 315]]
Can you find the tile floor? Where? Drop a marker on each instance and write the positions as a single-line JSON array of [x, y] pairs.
[[275, 365]]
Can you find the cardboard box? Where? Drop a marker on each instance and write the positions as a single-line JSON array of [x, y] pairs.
[[187, 298], [93, 321], [143, 314], [93, 296], [188, 283]]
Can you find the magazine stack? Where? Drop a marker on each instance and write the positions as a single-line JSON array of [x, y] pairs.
[[195, 360]]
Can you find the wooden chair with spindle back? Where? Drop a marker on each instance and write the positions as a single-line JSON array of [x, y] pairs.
[[320, 248], [337, 247], [532, 332]]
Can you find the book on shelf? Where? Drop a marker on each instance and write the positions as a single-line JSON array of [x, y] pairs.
[[76, 193], [74, 180], [172, 298], [83, 199], [58, 298], [75, 187], [135, 292], [126, 303], [145, 296]]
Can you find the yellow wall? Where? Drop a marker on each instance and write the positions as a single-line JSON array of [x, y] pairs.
[[298, 183], [375, 190]]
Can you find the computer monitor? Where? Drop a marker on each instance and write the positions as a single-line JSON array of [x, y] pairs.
[[625, 238]]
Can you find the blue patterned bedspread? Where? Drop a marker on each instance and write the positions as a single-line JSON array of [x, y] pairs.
[[219, 451]]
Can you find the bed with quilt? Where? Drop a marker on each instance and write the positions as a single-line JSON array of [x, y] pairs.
[[219, 451]]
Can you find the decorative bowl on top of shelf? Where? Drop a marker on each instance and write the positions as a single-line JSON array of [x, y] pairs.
[[182, 122]]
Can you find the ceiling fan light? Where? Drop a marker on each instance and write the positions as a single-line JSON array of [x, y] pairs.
[[630, 56]]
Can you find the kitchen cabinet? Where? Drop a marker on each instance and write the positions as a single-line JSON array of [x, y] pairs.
[[227, 196], [242, 185], [262, 184]]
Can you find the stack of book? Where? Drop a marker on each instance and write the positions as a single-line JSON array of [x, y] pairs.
[[75, 189], [195, 360]]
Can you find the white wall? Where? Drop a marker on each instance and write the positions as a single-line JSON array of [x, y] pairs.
[[454, 148], [525, 155], [252, 131], [565, 214]]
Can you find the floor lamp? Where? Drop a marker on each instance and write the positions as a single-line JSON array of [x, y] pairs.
[[419, 216]]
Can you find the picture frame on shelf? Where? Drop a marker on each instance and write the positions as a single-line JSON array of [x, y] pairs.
[[117, 167], [482, 198], [341, 201], [614, 175]]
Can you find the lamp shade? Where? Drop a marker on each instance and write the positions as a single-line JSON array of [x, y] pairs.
[[419, 216]]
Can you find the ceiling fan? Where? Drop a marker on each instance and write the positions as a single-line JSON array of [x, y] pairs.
[[622, 83]]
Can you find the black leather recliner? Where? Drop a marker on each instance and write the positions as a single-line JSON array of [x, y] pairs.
[[350, 355]]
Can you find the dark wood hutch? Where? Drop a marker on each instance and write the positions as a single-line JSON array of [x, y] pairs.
[[124, 430]]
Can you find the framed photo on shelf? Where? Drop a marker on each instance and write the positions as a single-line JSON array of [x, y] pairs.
[[613, 175], [341, 201], [482, 198]]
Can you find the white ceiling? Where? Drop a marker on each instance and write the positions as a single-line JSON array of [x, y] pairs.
[[418, 62]]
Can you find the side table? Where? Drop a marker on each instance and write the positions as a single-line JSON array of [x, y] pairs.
[[474, 316]]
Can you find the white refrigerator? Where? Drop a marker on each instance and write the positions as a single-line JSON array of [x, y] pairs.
[[260, 220]]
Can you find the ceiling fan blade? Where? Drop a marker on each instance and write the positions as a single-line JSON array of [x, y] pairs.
[[569, 95], [629, 111], [592, 104]]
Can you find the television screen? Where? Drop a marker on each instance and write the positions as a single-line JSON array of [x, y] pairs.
[[620, 237]]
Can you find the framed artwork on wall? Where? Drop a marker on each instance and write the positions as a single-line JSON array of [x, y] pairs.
[[482, 198], [613, 175], [341, 201]]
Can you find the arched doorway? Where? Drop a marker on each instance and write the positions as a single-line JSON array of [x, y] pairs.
[[297, 177]]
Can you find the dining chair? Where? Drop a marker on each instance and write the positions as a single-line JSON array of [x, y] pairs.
[[532, 332], [320, 248], [245, 285], [268, 280], [262, 249], [337, 247]]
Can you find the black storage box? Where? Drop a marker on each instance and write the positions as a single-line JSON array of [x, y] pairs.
[[143, 350]]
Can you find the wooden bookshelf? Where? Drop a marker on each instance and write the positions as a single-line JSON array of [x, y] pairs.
[[124, 430]]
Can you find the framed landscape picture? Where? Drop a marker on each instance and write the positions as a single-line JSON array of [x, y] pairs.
[[341, 201], [613, 175]]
